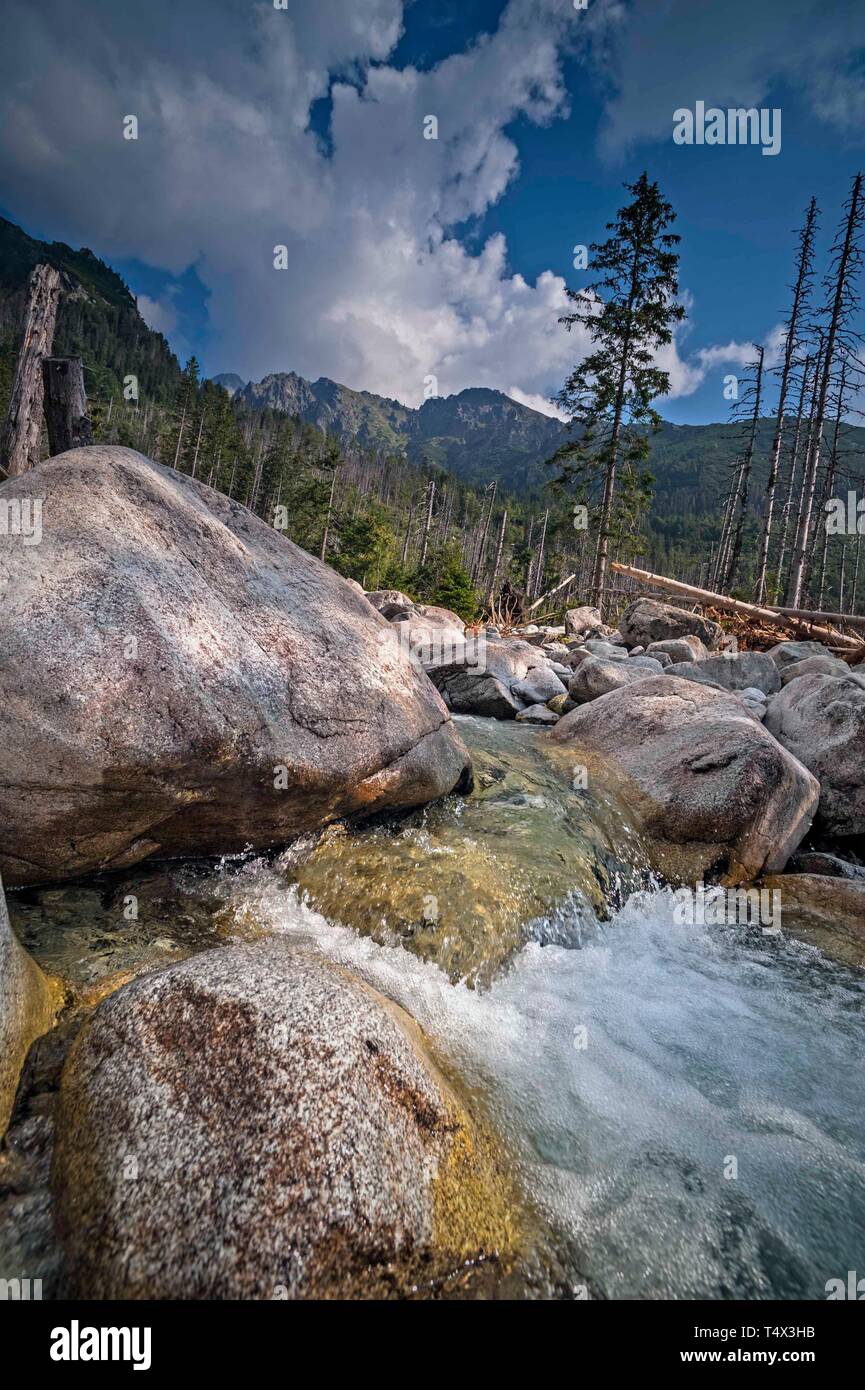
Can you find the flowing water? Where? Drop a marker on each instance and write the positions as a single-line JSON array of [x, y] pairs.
[[685, 1106]]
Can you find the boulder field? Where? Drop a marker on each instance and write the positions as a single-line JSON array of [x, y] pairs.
[[180, 678]]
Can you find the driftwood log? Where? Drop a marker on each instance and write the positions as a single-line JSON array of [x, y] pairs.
[[798, 618]]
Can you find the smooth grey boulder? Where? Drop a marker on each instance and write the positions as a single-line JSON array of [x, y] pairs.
[[732, 672], [825, 665], [663, 658], [610, 651], [646, 663], [646, 620], [754, 700], [579, 622], [425, 626], [539, 685], [182, 679], [28, 1001], [555, 651], [784, 653], [389, 601], [538, 714], [486, 678], [821, 720], [687, 648], [596, 676], [258, 1123], [829, 865], [709, 786]]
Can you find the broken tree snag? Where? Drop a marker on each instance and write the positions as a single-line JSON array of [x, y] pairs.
[[736, 605], [66, 415], [19, 449]]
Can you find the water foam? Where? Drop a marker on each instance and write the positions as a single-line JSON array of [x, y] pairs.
[[702, 1046]]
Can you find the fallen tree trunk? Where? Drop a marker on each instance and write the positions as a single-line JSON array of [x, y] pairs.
[[851, 619], [735, 605], [538, 601], [20, 444]]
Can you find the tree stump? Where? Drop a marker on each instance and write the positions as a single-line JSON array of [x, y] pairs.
[[19, 449], [66, 417]]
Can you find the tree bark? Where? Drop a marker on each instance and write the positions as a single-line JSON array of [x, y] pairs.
[[23, 429], [66, 417]]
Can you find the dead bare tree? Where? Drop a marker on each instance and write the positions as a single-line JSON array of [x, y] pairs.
[[804, 274], [847, 259], [19, 449]]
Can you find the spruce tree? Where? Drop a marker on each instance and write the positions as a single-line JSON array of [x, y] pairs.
[[628, 313]]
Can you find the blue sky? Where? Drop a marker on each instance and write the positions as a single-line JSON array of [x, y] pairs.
[[412, 259]]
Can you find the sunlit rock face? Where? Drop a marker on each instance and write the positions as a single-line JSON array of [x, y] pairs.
[[179, 677], [27, 1005], [704, 780], [259, 1123]]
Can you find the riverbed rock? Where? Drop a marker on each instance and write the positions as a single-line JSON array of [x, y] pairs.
[[28, 1002], [538, 714], [610, 651], [734, 671], [784, 653], [825, 665], [646, 620], [646, 663], [754, 700], [814, 861], [687, 648], [597, 676], [257, 1123], [580, 622], [181, 678], [821, 720], [494, 679], [827, 911], [711, 788], [389, 601], [539, 685]]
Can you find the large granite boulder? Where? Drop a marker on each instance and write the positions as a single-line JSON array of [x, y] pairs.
[[826, 665], [646, 620], [580, 622], [28, 1001], [821, 720], [389, 601], [493, 678], [687, 648], [597, 676], [784, 653], [178, 677], [737, 671], [257, 1123], [698, 772]]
